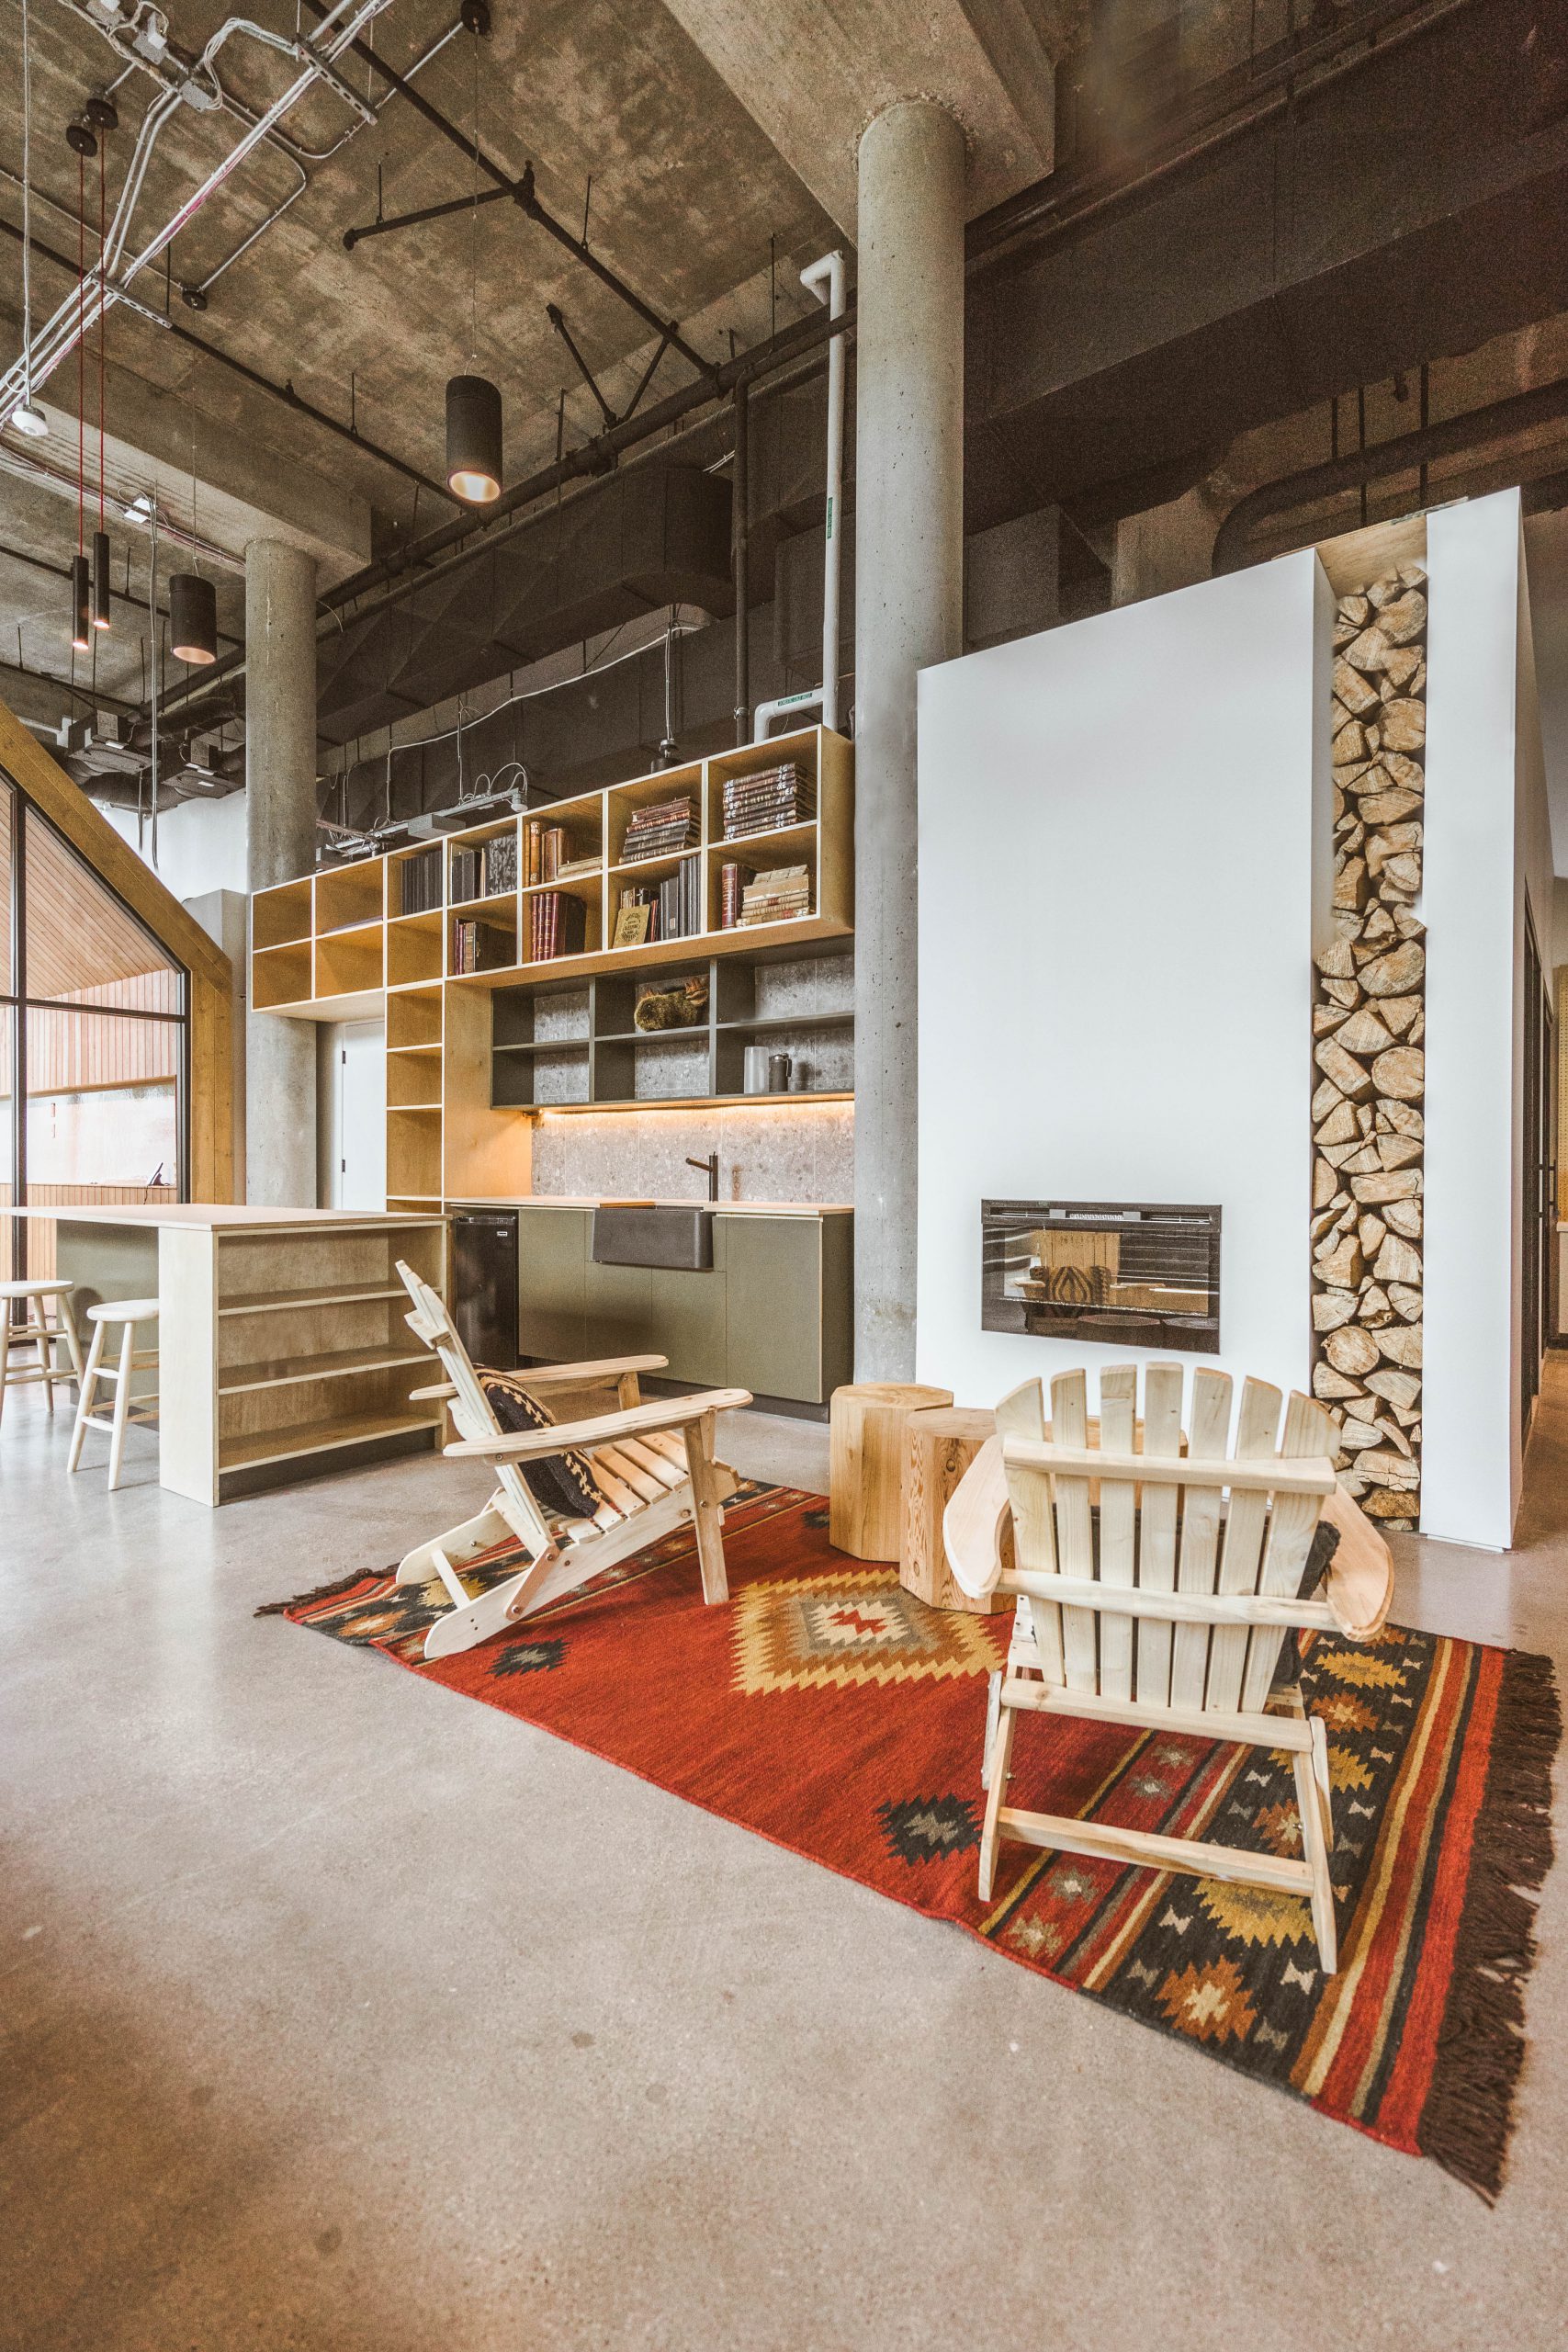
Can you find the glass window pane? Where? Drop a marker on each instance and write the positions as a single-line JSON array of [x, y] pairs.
[[81, 943], [101, 1108]]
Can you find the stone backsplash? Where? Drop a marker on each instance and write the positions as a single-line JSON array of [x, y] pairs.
[[786, 1151]]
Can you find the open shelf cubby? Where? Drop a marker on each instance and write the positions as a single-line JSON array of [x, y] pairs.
[[798, 1004], [331, 917]]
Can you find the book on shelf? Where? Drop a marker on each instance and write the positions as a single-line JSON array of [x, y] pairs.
[[782, 895], [500, 863], [577, 867], [675, 906], [768, 801], [467, 876], [558, 925], [533, 852], [731, 881], [480, 947], [420, 882], [633, 923], [662, 831]]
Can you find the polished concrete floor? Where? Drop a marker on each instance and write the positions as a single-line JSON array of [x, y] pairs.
[[337, 2012]]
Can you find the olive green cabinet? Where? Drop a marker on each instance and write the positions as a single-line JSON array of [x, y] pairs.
[[773, 1314]]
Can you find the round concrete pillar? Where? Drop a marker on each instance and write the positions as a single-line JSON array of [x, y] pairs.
[[280, 825], [908, 611]]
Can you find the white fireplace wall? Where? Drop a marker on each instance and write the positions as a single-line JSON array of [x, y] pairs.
[[1488, 856], [1124, 853]]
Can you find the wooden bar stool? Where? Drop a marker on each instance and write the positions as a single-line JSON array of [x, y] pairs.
[[128, 1312], [47, 1322]]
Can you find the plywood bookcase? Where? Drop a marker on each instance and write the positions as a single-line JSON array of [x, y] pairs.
[[281, 1342], [339, 946]]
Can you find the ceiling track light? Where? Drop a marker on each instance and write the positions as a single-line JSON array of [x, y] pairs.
[[473, 439], [81, 589], [193, 618]]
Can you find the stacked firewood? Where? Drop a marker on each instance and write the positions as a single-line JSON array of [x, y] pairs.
[[1367, 1025]]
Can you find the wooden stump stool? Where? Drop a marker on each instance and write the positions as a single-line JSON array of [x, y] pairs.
[[940, 1443], [866, 1464]]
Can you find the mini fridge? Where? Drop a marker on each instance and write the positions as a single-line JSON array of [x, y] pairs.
[[484, 1285]]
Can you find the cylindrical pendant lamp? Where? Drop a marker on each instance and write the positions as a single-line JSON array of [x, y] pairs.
[[100, 580], [81, 591], [193, 617], [473, 439]]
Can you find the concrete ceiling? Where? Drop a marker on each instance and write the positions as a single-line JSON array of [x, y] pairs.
[[689, 202]]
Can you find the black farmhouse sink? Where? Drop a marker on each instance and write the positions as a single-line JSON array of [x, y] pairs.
[[676, 1234]]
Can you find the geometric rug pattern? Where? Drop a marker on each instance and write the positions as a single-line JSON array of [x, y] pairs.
[[827, 1710]]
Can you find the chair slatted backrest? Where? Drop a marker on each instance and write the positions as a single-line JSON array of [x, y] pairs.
[[473, 1414], [1215, 1523]]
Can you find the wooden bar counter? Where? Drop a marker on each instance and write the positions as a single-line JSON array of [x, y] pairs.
[[280, 1335]]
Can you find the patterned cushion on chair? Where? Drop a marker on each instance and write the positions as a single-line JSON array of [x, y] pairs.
[[562, 1482]]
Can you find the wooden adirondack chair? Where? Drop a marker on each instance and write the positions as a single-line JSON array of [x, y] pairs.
[[1156, 1589], [654, 1461]]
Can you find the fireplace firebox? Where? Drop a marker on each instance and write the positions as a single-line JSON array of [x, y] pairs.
[[1143, 1274]]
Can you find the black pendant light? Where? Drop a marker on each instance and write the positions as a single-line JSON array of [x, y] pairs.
[[193, 617], [473, 404], [100, 580], [473, 439], [81, 592]]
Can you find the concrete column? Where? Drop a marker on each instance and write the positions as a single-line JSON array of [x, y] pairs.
[[280, 819], [909, 613]]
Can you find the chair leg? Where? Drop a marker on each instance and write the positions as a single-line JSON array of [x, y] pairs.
[[71, 1336], [996, 1797], [993, 1710], [1314, 1803], [121, 1403], [45, 1351], [85, 1395], [706, 1516]]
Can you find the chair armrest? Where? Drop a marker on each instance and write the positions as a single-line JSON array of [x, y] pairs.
[[586, 1375], [427, 1395], [668, 1413], [1359, 1585], [973, 1522]]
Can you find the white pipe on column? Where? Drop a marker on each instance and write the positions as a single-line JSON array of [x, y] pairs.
[[825, 278]]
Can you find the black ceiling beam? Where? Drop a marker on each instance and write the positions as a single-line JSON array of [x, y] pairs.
[[557, 318], [387, 224], [285, 392], [521, 191]]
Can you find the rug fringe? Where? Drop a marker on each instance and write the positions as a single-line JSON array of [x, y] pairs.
[[1469, 2112], [321, 1592]]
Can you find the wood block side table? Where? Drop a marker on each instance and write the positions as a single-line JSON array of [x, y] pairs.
[[867, 1446], [939, 1444]]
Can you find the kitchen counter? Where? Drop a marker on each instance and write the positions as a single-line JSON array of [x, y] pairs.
[[719, 1208], [772, 1314], [207, 1217], [281, 1342]]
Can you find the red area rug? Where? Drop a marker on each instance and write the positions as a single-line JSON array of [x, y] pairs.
[[827, 1710]]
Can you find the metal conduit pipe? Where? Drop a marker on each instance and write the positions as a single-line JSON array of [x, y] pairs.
[[1479, 427], [285, 392], [78, 315]]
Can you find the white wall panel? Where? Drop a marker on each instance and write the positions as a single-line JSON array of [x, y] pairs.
[[1117, 863]]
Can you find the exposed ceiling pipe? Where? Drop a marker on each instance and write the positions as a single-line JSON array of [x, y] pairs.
[[825, 278], [77, 316], [285, 392], [1456, 437], [441, 553]]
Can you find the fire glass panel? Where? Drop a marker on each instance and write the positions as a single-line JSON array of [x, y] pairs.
[[1141, 1274]]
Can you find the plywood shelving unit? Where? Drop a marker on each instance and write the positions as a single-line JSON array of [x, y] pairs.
[[291, 1343], [338, 946]]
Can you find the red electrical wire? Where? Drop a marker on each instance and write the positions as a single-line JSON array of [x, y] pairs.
[[81, 353], [103, 317]]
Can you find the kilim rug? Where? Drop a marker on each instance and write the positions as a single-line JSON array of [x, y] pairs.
[[827, 1710]]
